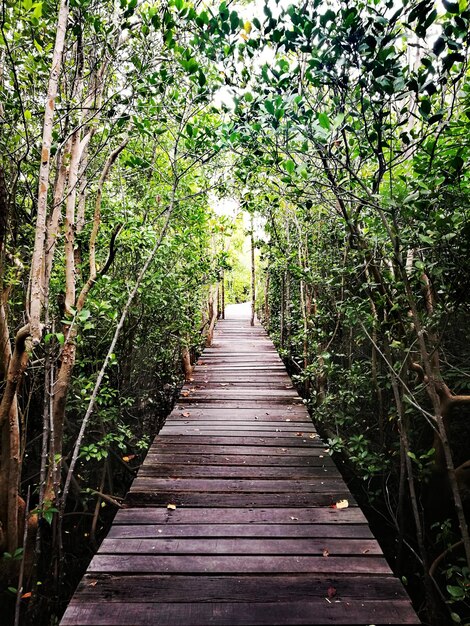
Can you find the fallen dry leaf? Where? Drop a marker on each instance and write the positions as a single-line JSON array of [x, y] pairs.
[[93, 583], [172, 507], [26, 595], [128, 458], [331, 592], [185, 394], [342, 504], [313, 436], [186, 414], [325, 552], [294, 518], [299, 434]]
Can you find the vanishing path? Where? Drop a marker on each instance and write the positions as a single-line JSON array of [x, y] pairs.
[[255, 537]]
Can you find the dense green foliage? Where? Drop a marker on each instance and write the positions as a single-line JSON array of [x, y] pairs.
[[345, 130]]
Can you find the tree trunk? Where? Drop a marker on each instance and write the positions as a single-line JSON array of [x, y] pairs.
[[212, 314], [266, 299], [37, 263], [187, 367], [222, 294], [9, 429]]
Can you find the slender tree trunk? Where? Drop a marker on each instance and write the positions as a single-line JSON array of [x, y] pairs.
[[266, 299], [222, 294], [212, 308], [37, 263]]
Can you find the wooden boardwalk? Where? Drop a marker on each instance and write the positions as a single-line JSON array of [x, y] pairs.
[[256, 537]]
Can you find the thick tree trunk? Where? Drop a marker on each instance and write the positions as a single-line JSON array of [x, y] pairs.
[[187, 367]]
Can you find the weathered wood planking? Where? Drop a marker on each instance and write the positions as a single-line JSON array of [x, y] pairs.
[[255, 537]]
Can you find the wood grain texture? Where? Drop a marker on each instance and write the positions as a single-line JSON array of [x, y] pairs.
[[256, 537]]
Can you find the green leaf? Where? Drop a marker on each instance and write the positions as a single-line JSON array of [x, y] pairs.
[[84, 315], [425, 106], [289, 166], [328, 16], [37, 13], [234, 21], [203, 18], [269, 106], [60, 338], [201, 78], [456, 618], [455, 591], [439, 46], [324, 121], [451, 7]]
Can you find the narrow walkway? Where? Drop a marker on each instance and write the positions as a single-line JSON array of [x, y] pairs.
[[232, 519]]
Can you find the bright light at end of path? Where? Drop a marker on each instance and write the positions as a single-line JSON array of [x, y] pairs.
[[225, 206]]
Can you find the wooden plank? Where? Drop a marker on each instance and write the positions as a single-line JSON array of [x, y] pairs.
[[244, 471], [188, 448], [273, 515], [237, 545], [249, 588], [266, 460], [204, 499], [329, 531], [354, 611], [278, 440], [240, 429], [246, 564], [235, 486]]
